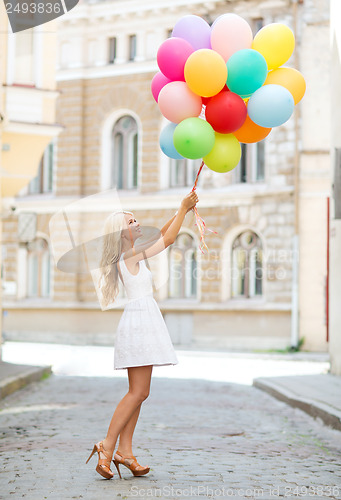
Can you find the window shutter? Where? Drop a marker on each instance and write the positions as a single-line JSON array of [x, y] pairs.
[[337, 183]]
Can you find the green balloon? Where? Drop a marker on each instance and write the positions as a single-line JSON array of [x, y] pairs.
[[193, 138], [225, 154]]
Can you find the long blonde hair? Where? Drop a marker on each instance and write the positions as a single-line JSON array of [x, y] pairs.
[[111, 253]]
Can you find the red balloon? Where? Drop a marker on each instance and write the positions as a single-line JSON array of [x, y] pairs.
[[206, 100], [226, 112]]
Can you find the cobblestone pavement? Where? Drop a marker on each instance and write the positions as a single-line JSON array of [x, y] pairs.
[[202, 439]]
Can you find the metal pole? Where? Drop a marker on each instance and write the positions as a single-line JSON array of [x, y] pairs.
[[295, 243], [327, 278], [0, 247], [294, 293]]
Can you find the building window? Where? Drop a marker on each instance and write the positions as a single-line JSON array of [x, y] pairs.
[[183, 268], [43, 182], [251, 167], [24, 58], [241, 169], [247, 261], [183, 172], [259, 161], [38, 268], [257, 24], [124, 153], [132, 48], [112, 49]]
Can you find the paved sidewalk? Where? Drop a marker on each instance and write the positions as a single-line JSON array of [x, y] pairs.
[[203, 439], [317, 395], [15, 376]]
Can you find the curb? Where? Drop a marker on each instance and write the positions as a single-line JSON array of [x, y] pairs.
[[327, 414], [9, 385]]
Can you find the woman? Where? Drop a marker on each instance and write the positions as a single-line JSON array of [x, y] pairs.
[[142, 339]]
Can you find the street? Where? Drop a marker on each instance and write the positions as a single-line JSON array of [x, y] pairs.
[[201, 438]]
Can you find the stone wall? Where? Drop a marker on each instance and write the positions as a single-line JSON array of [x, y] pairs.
[[93, 94]]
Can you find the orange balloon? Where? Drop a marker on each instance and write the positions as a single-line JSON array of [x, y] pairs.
[[289, 78], [205, 72], [251, 132]]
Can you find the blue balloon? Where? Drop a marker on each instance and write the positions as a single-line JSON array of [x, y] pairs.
[[166, 142], [270, 106]]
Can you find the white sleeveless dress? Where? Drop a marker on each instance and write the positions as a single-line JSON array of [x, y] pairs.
[[142, 337]]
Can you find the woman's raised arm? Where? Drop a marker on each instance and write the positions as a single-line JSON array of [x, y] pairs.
[[146, 250]]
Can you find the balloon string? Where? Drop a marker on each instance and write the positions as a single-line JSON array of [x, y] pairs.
[[200, 223], [197, 177]]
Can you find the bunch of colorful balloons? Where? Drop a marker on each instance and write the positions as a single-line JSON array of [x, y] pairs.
[[219, 87]]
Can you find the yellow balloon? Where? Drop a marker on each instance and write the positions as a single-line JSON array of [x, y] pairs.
[[276, 43], [225, 154], [289, 78], [205, 72]]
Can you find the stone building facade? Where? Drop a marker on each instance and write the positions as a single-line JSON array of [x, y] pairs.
[[28, 97], [239, 295]]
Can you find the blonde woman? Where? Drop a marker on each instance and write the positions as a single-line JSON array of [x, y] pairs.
[[142, 339]]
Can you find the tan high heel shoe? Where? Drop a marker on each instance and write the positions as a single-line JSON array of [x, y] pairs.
[[131, 463], [103, 466]]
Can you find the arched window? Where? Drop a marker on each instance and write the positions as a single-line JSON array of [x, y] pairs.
[[183, 268], [43, 182], [247, 261], [124, 153], [38, 268], [183, 172], [251, 167]]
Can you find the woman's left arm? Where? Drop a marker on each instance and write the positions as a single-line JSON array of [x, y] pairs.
[[166, 226]]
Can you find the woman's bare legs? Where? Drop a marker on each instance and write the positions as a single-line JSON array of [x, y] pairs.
[[127, 411], [125, 443]]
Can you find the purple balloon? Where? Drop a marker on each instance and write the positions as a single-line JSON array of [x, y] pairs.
[[195, 30]]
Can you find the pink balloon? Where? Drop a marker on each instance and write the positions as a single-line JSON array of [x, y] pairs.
[[229, 34], [172, 56], [177, 102], [158, 82]]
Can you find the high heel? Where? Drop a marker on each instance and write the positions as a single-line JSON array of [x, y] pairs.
[[103, 466], [133, 465]]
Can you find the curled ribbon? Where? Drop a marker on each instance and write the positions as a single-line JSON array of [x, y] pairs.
[[199, 221]]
